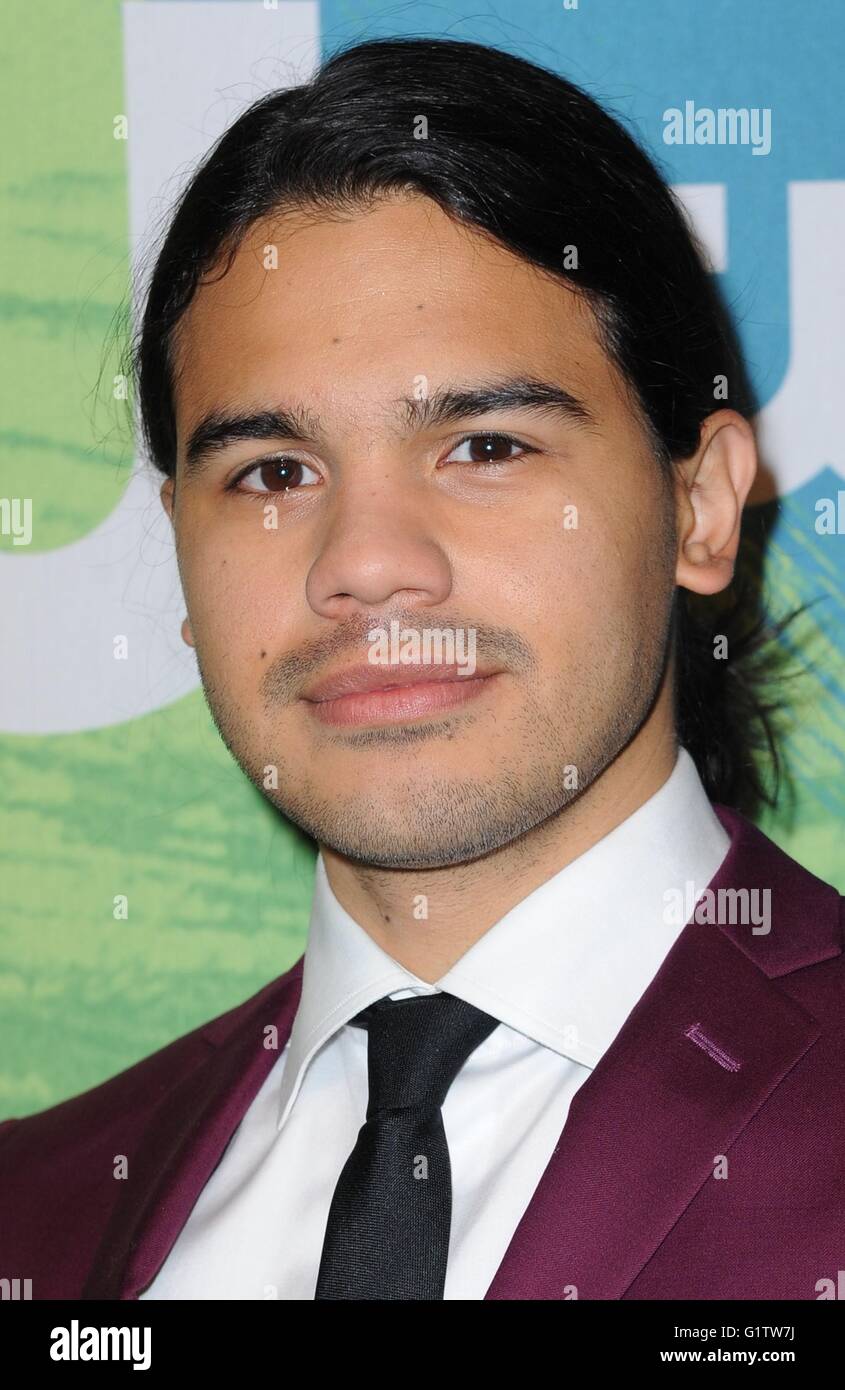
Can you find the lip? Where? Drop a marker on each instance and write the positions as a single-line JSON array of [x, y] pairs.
[[370, 695], [354, 680]]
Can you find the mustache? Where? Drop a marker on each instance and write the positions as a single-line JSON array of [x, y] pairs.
[[289, 672]]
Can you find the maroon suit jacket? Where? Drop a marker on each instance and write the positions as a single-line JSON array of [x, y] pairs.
[[736, 1049]]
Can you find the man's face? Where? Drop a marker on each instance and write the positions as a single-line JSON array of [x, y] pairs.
[[551, 549]]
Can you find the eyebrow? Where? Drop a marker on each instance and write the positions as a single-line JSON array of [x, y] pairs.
[[217, 429]]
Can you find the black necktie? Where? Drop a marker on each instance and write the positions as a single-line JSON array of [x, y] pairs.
[[387, 1235]]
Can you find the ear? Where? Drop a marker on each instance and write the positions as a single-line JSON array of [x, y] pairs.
[[167, 495], [711, 488]]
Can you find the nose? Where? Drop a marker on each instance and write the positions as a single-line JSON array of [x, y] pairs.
[[379, 545]]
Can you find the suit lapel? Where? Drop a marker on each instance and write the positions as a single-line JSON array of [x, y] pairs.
[[696, 1058], [186, 1140]]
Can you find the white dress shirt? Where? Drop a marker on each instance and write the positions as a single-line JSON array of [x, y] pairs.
[[562, 971]]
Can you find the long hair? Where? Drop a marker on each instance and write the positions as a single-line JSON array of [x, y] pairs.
[[516, 151]]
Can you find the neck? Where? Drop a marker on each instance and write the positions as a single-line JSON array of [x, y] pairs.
[[464, 900]]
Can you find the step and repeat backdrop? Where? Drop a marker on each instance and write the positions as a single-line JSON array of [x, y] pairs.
[[146, 886]]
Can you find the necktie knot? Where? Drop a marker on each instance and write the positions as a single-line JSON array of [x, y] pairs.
[[417, 1046]]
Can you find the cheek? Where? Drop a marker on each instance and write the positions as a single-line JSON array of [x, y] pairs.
[[620, 545], [236, 607], [579, 584]]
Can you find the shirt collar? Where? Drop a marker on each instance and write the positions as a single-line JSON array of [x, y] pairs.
[[565, 966]]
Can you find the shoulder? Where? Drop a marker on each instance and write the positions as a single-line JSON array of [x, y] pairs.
[[58, 1168], [799, 933], [123, 1104]]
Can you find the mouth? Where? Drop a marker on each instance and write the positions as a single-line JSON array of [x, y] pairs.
[[369, 696]]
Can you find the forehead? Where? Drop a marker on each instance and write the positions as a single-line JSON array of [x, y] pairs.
[[344, 315]]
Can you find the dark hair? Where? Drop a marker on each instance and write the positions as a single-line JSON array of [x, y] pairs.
[[520, 153]]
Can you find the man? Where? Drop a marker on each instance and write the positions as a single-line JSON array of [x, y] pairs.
[[429, 363]]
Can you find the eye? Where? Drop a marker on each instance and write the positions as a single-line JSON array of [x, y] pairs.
[[281, 473], [284, 473], [486, 445]]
